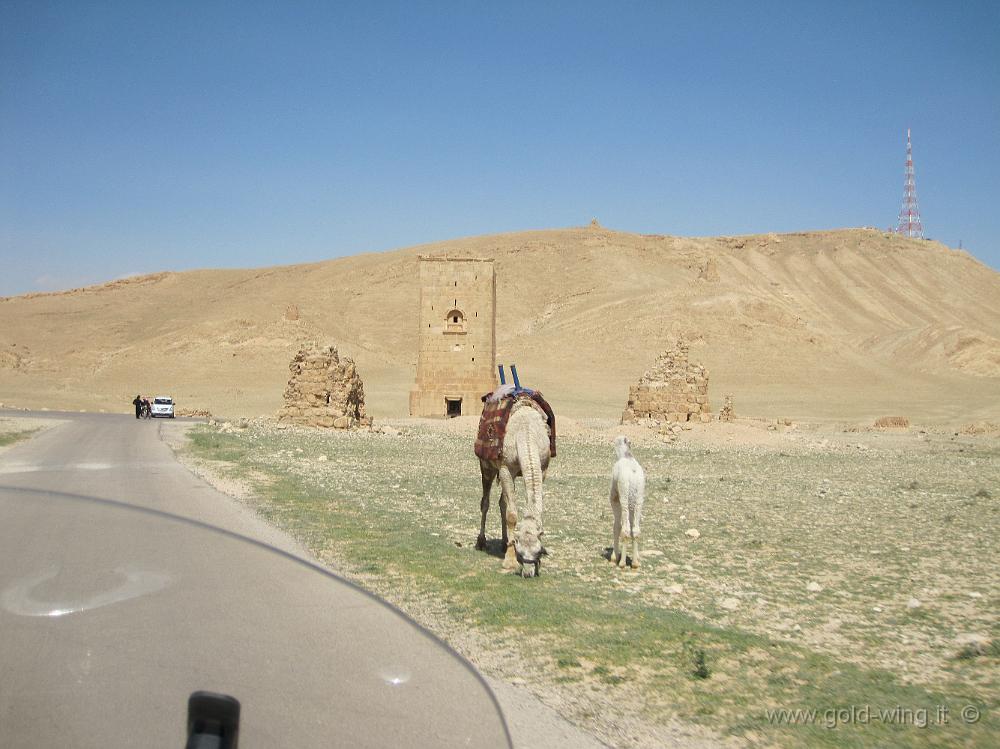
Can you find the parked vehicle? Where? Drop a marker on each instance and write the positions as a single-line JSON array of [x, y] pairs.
[[163, 406]]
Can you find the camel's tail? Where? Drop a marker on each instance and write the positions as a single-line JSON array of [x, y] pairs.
[[531, 467]]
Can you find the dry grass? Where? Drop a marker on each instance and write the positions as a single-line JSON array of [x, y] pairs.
[[713, 631]]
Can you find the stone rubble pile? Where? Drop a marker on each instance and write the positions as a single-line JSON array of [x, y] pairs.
[[892, 422], [674, 389], [324, 390], [727, 412], [194, 412]]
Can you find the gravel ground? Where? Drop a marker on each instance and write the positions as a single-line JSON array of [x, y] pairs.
[[868, 549]]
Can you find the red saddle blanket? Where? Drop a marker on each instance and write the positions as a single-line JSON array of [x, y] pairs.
[[493, 423]]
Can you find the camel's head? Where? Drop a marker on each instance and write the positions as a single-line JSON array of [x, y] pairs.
[[623, 448], [528, 547]]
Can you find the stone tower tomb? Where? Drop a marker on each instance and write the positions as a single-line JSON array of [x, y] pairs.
[[457, 336]]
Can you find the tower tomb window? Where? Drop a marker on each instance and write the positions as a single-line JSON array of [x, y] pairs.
[[455, 321]]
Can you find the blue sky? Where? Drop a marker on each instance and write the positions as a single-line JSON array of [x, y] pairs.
[[137, 137]]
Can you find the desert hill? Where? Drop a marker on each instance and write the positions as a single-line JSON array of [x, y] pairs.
[[843, 325]]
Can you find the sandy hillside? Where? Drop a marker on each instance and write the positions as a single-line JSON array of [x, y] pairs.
[[844, 325]]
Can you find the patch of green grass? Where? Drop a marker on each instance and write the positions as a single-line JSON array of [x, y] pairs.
[[10, 438], [391, 511], [700, 663], [213, 445]]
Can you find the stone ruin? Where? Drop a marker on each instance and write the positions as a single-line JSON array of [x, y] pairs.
[[456, 343], [727, 412], [674, 389], [892, 422], [710, 272], [324, 390]]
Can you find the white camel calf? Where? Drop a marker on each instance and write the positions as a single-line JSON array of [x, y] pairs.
[[628, 488]]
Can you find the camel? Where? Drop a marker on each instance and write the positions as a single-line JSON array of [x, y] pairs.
[[525, 453], [628, 488]]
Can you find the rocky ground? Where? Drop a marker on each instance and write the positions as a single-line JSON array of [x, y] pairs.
[[800, 565]]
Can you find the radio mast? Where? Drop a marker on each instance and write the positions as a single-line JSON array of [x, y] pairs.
[[909, 213]]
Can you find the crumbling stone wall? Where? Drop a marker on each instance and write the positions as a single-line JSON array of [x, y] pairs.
[[324, 390], [674, 389], [727, 412]]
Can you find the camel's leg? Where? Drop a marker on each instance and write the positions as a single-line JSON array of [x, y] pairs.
[[635, 515], [503, 518], [626, 534], [616, 528], [488, 475], [510, 515]]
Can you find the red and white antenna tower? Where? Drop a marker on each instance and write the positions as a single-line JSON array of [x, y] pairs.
[[909, 214]]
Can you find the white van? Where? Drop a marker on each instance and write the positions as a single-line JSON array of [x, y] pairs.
[[163, 405]]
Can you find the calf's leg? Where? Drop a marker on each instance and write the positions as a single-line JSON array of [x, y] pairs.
[[616, 527]]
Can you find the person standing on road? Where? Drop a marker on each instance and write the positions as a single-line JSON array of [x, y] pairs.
[[138, 406]]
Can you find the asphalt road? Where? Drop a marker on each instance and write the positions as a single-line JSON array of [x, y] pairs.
[[112, 611]]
